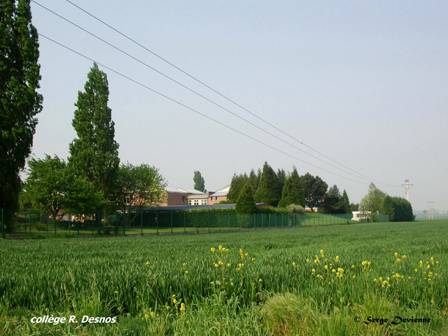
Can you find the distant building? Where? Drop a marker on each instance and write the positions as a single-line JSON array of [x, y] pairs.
[[174, 197], [192, 197], [218, 196], [197, 199], [313, 209], [360, 216], [179, 196]]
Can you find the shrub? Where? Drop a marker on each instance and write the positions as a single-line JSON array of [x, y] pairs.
[[398, 209], [287, 314], [271, 210], [295, 208]]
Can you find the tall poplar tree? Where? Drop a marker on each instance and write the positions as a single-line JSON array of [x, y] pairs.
[[199, 182], [19, 100], [94, 153]]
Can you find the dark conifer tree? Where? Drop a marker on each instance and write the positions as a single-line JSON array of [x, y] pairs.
[[293, 192], [268, 187], [246, 203]]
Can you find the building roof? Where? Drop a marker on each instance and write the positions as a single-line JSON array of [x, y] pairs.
[[184, 191], [196, 196], [221, 192]]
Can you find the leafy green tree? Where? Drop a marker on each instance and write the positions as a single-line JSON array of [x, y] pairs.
[[314, 189], [373, 201], [199, 182], [268, 188], [334, 202], [246, 203], [398, 209], [293, 192], [81, 196], [140, 185], [236, 185], [53, 187], [94, 153], [46, 185], [19, 100], [354, 206]]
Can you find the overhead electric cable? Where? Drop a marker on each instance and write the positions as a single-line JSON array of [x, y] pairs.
[[161, 73], [180, 103], [219, 93]]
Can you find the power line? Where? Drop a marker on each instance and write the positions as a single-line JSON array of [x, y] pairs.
[[219, 93], [161, 73], [180, 103]]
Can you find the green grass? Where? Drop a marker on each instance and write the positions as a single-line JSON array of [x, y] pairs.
[[273, 290]]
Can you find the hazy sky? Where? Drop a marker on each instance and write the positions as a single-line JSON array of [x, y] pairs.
[[365, 82]]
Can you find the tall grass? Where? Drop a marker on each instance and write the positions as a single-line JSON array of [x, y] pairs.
[[313, 280]]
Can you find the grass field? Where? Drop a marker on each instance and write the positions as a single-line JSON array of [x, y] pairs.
[[316, 280]]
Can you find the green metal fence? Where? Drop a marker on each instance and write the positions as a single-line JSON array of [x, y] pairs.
[[143, 221]]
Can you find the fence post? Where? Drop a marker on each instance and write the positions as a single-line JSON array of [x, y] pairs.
[[171, 221], [3, 228], [185, 228], [196, 220], [208, 221], [141, 223]]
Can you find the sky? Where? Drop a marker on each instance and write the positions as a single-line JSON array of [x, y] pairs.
[[364, 82]]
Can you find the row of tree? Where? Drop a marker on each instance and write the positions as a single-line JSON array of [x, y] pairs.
[[378, 202], [282, 189], [92, 180]]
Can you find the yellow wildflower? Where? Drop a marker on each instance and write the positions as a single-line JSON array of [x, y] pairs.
[[340, 272], [397, 276], [366, 264]]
